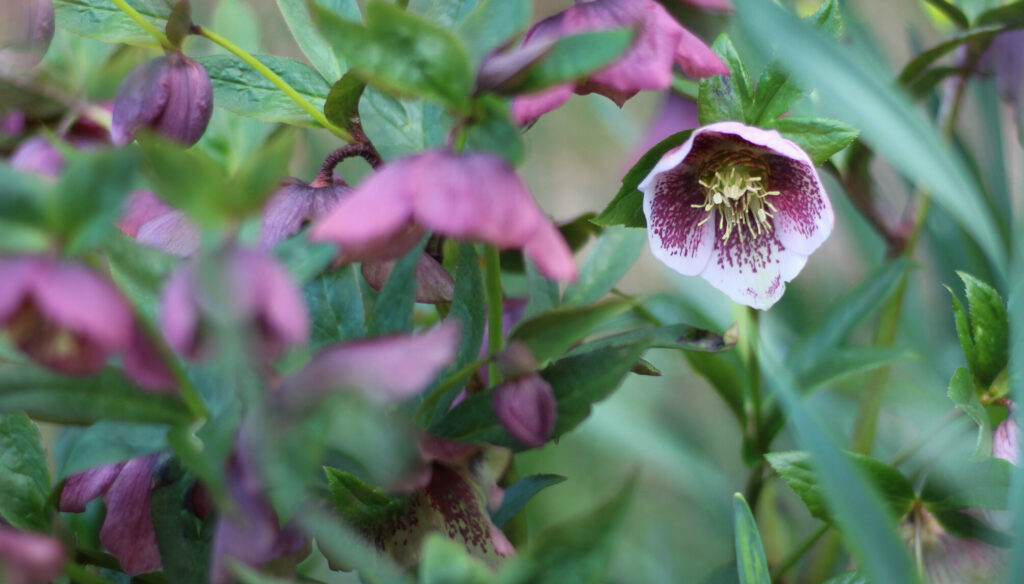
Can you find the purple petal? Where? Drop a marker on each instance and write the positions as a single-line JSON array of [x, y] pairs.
[[804, 218], [26, 34], [433, 283], [696, 58], [189, 103], [369, 366], [1006, 56], [140, 99], [179, 314], [142, 207], [551, 254], [29, 557], [526, 407], [144, 365], [497, 70], [38, 155], [294, 205], [280, 312], [753, 271], [17, 274], [82, 487], [77, 299], [172, 232], [462, 508], [127, 530], [1006, 439], [526, 109]]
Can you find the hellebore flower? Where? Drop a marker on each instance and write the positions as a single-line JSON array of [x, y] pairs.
[[647, 65], [26, 29], [1006, 438], [38, 155], [524, 403], [127, 530], [1005, 58], [257, 292], [140, 208], [62, 314], [434, 284], [29, 557], [948, 559], [171, 95], [473, 196], [740, 206], [154, 223], [296, 204]]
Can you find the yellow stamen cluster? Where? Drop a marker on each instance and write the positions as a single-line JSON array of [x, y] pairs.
[[734, 186]]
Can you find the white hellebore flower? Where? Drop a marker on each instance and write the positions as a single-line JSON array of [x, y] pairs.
[[742, 207]]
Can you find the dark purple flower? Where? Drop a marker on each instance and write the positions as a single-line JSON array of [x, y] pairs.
[[144, 365], [740, 206], [472, 196], [257, 292], [433, 283], [526, 407], [26, 29], [62, 314], [27, 558], [296, 204], [170, 95], [647, 65], [127, 530]]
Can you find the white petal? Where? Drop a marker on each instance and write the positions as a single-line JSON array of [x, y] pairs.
[[755, 272]]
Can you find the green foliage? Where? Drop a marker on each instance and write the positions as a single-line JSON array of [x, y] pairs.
[[400, 127], [549, 335], [240, 89], [961, 391], [183, 539], [725, 97], [750, 558], [818, 137], [612, 255], [311, 42], [342, 105], [519, 494], [392, 312], [983, 484], [491, 24], [87, 198], [24, 474], [983, 330], [104, 21], [335, 304], [446, 562], [573, 57], [105, 442], [493, 131]]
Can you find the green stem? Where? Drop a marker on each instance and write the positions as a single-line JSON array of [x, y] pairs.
[[753, 406], [189, 393], [457, 377], [145, 24], [81, 575], [274, 78], [492, 268], [794, 556]]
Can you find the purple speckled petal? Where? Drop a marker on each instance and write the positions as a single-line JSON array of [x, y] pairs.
[[29, 557], [753, 271], [77, 299], [140, 99], [141, 207], [804, 218], [128, 527], [172, 232], [82, 487], [527, 109], [526, 408], [433, 283], [369, 366], [474, 196], [1006, 439]]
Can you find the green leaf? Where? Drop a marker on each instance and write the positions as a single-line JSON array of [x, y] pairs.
[[673, 336], [105, 442], [963, 331], [138, 270], [519, 494], [187, 179], [961, 391], [627, 207], [305, 260], [447, 562], [549, 335], [447, 14], [724, 373], [182, 538], [240, 89], [611, 256], [725, 97], [954, 14], [852, 577], [235, 19], [259, 176], [1010, 15], [775, 94], [574, 552], [983, 484], [964, 524], [989, 329], [400, 52], [22, 196], [104, 21], [818, 137], [61, 399], [401, 127], [887, 120], [750, 558], [342, 105], [827, 19], [542, 293], [798, 470], [491, 24], [88, 196], [493, 131], [846, 361], [573, 57], [178, 23], [335, 304], [392, 312], [24, 474], [914, 69], [316, 48]]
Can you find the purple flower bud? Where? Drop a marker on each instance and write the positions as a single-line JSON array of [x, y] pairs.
[[260, 294], [171, 95], [29, 557], [61, 314], [294, 205], [1006, 438], [38, 155], [433, 283], [140, 208], [526, 408], [26, 29]]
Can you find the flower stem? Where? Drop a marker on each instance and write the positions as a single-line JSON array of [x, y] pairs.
[[274, 78], [145, 24], [492, 267], [794, 556], [81, 575], [447, 384]]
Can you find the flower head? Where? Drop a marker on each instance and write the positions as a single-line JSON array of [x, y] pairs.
[[29, 557], [472, 196], [26, 29], [740, 206], [62, 314], [257, 292], [171, 95], [297, 203], [647, 65]]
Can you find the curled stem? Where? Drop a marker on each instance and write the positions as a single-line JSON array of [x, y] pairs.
[[366, 151]]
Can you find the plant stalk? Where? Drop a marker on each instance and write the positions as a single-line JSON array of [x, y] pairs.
[[145, 24]]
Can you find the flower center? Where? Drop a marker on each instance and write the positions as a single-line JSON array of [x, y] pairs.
[[735, 187]]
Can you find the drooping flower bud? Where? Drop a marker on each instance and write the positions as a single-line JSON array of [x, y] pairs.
[[433, 283], [296, 204], [26, 29], [526, 408], [26, 558], [62, 314], [170, 95]]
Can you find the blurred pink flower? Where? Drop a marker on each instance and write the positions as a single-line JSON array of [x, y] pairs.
[[140, 208], [62, 314], [297, 203], [473, 196], [740, 206], [647, 65], [170, 95], [29, 557], [1006, 437], [26, 30], [127, 530], [526, 407], [257, 293]]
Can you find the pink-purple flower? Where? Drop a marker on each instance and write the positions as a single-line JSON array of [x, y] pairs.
[[740, 206], [27, 558], [170, 95], [62, 314], [474, 196], [26, 30], [647, 65]]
